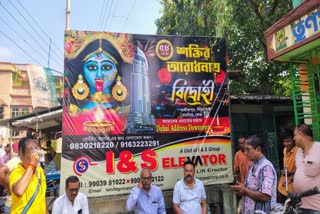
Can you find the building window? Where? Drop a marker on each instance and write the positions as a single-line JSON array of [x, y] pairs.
[[24, 110], [14, 133], [15, 112]]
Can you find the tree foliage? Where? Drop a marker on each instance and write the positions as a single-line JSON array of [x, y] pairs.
[[242, 23]]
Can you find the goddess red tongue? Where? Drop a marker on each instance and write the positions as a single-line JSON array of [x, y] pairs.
[[99, 85]]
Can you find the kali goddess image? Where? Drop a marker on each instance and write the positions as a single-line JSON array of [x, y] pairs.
[[95, 94]]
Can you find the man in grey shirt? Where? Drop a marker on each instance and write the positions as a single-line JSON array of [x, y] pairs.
[[146, 198]]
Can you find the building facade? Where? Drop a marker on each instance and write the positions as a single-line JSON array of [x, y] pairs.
[[21, 85]]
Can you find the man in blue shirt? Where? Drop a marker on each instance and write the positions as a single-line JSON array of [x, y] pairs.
[[146, 198], [189, 196]]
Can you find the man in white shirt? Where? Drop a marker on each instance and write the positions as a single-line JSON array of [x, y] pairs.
[[189, 196], [72, 201]]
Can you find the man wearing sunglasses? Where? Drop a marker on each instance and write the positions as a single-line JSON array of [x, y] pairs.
[[146, 198], [72, 201]]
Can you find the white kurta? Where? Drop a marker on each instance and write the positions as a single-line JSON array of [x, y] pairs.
[[63, 205]]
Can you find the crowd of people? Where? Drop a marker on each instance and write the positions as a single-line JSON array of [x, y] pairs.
[[260, 190], [25, 183], [256, 184]]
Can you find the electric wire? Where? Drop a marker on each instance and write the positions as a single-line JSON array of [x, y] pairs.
[[17, 33], [43, 40], [40, 27], [102, 13], [107, 10], [127, 17], [56, 63], [116, 16], [20, 47], [108, 16], [34, 28], [24, 29]]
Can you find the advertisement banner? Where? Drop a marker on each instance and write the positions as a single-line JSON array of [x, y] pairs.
[[134, 101], [42, 85]]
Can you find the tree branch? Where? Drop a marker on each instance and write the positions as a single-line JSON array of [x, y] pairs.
[[256, 10], [274, 6]]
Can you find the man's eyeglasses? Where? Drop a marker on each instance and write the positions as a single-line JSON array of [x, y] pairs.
[[74, 190], [146, 178], [247, 149]]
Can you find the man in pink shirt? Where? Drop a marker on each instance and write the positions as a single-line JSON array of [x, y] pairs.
[[259, 190], [307, 173]]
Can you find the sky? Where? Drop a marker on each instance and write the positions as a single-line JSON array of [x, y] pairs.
[[28, 27]]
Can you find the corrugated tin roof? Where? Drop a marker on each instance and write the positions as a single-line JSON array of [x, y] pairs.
[[259, 99]]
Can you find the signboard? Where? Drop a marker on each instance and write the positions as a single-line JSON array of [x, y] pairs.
[[282, 39], [135, 101]]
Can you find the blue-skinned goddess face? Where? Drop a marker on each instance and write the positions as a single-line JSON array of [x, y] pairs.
[[100, 72]]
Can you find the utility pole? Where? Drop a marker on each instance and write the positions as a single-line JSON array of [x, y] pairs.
[[49, 54], [68, 15]]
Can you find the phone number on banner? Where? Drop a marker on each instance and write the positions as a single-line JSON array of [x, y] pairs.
[[110, 145], [122, 181]]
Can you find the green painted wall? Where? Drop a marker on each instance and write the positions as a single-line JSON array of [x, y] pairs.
[[296, 3]]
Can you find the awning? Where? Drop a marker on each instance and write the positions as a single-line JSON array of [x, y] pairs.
[[5, 122], [44, 119], [38, 122]]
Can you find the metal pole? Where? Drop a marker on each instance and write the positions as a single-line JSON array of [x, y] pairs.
[[49, 53], [286, 174], [68, 15]]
